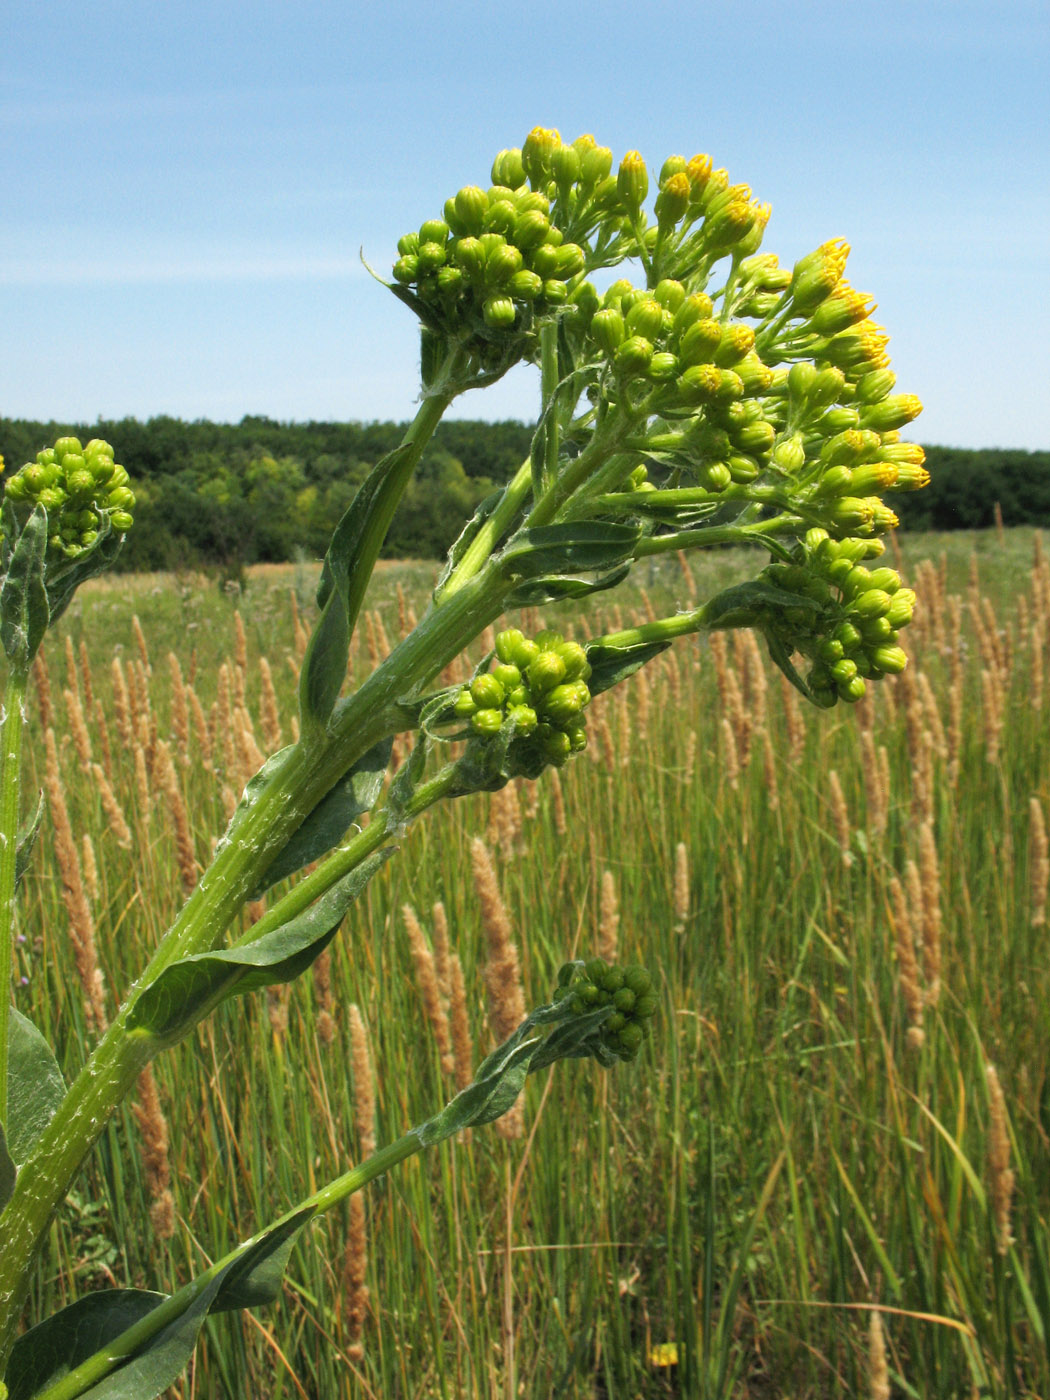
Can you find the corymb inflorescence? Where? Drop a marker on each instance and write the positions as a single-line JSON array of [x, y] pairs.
[[76, 485], [752, 399], [539, 687], [628, 991]]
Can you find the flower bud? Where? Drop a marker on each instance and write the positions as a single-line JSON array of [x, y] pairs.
[[672, 201], [699, 384], [574, 657], [838, 420], [565, 167], [545, 671], [901, 609], [891, 412], [121, 521], [670, 294], [544, 260], [570, 260], [507, 674], [874, 386], [523, 717], [563, 702], [698, 307], [632, 181], [487, 692], [486, 723], [743, 468], [595, 161], [698, 172], [470, 205], [645, 318], [499, 216], [530, 229], [847, 448], [406, 269], [789, 454], [68, 446], [698, 344], [450, 281], [536, 153], [98, 448], [607, 329], [555, 743], [464, 705], [80, 483], [634, 355], [508, 169], [714, 476], [663, 367], [525, 285], [501, 264], [498, 312], [408, 245], [816, 276], [430, 257], [757, 437], [469, 254], [735, 342], [891, 660], [555, 292], [844, 308], [872, 603]]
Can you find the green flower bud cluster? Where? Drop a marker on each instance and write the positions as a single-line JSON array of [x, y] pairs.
[[628, 990], [538, 686], [853, 635], [492, 264], [76, 485]]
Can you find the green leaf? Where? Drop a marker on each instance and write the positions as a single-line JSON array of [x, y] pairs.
[[781, 657], [26, 839], [61, 1342], [557, 588], [140, 1361], [406, 780], [35, 1086], [7, 1172], [24, 611], [65, 576], [344, 576], [611, 665], [189, 989], [141, 1366], [554, 549], [355, 793], [744, 604]]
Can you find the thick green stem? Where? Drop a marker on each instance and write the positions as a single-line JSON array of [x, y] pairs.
[[477, 553], [13, 722], [346, 858], [294, 789]]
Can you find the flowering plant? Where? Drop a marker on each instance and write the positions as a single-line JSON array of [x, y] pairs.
[[718, 398]]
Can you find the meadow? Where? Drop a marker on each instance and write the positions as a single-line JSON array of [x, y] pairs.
[[829, 1172]]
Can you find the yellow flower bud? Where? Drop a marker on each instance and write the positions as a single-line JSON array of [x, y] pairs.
[[632, 181], [536, 153], [672, 201]]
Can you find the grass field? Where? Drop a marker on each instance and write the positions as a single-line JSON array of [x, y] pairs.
[[811, 1184]]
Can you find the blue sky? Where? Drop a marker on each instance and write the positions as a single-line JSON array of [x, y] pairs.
[[185, 187]]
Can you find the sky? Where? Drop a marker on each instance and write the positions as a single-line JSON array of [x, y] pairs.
[[186, 190]]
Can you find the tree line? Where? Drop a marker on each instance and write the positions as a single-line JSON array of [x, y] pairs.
[[227, 495]]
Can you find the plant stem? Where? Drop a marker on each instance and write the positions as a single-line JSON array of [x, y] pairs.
[[349, 857], [123, 1348], [13, 722], [295, 787]]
